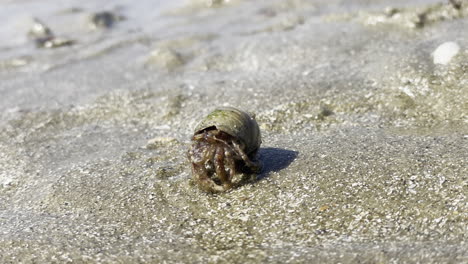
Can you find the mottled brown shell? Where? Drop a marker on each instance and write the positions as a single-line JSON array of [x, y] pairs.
[[236, 123]]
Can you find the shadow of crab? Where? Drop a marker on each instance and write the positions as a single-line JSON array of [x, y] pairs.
[[275, 159]]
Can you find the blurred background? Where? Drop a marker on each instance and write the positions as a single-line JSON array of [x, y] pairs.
[[362, 107]]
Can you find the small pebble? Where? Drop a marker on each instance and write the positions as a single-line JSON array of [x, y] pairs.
[[105, 19], [445, 52], [39, 30], [45, 38]]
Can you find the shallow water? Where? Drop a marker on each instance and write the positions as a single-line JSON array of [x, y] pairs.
[[364, 137]]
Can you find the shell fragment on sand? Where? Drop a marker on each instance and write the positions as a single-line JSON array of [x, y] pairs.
[[445, 52]]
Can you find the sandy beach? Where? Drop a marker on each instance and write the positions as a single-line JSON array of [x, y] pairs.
[[362, 106]]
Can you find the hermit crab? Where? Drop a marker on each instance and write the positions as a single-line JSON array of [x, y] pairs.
[[225, 143]]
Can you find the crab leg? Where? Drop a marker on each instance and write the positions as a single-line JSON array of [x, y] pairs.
[[230, 163], [205, 182], [254, 166], [220, 169], [201, 155]]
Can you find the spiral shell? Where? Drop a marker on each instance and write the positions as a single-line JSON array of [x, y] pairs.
[[236, 123]]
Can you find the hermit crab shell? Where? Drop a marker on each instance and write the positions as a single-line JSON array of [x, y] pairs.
[[236, 123]]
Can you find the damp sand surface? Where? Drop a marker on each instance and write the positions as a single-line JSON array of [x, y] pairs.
[[365, 137]]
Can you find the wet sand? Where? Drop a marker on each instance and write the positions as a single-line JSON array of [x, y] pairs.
[[364, 133]]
